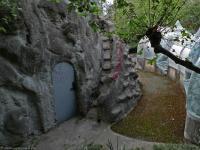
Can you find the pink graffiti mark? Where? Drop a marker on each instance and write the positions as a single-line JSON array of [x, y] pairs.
[[118, 67]]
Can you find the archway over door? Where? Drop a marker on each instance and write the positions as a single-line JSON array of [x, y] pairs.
[[64, 92]]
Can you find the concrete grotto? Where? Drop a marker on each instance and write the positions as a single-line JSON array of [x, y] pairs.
[[106, 82]]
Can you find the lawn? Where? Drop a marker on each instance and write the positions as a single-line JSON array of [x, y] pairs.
[[160, 114]]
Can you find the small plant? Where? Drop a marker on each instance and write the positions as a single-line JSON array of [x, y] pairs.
[[92, 146], [8, 15], [190, 15], [138, 148], [83, 7], [175, 147], [110, 145]]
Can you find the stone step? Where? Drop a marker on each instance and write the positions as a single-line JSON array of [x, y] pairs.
[[126, 74], [122, 97], [116, 111], [129, 56], [132, 83], [131, 70], [106, 65], [129, 93], [105, 38], [106, 78], [125, 52], [125, 83], [133, 55], [107, 55], [126, 57], [130, 59], [136, 94], [134, 59], [133, 75], [133, 86], [126, 95], [106, 45], [128, 64], [106, 72]]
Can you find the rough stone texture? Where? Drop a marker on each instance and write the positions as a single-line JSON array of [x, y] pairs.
[[47, 36], [120, 89]]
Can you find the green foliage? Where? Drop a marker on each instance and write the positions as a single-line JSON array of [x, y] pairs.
[[155, 147], [137, 148], [55, 1], [2, 29], [8, 15], [175, 147], [153, 60], [92, 146], [83, 7], [134, 17], [94, 25], [190, 15], [140, 52]]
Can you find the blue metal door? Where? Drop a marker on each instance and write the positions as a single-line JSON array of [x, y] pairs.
[[64, 94]]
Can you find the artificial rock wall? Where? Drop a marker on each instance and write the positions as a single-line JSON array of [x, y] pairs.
[[47, 35], [120, 89]]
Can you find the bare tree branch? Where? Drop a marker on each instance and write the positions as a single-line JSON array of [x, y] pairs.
[[185, 63], [155, 39]]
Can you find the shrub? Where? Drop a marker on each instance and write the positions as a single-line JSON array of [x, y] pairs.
[[8, 15]]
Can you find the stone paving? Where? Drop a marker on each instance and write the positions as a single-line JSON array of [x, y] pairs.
[[77, 132]]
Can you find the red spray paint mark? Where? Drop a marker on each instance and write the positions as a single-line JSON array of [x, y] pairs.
[[118, 67]]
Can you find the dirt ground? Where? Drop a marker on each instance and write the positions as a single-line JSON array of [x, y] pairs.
[[160, 114]]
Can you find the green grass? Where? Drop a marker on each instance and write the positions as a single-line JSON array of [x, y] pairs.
[[175, 147], [159, 115], [155, 147]]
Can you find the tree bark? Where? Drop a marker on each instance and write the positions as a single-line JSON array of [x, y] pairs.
[[185, 63], [155, 39]]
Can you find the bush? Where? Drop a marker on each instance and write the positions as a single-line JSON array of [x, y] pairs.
[[175, 147], [8, 15], [190, 16]]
